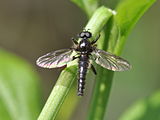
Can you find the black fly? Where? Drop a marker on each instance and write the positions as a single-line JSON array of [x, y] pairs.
[[86, 51]]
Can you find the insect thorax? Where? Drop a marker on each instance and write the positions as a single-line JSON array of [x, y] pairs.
[[85, 46]]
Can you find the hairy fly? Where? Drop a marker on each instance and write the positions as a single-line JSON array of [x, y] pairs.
[[86, 52]]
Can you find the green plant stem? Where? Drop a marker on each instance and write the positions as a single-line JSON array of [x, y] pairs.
[[98, 21], [102, 87], [67, 77], [101, 95], [58, 94], [88, 6]]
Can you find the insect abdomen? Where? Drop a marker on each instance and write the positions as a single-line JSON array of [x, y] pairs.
[[83, 66]]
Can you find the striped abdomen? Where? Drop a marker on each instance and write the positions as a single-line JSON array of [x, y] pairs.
[[83, 67]]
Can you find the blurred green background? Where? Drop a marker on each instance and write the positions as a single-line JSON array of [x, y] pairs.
[[30, 29]]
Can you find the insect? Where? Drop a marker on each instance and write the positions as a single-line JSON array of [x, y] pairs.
[[86, 52]]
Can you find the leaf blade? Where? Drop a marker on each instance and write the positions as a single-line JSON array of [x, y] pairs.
[[128, 14], [146, 109], [19, 88]]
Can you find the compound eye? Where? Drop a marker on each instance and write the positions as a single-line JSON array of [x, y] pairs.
[[88, 34], [82, 34]]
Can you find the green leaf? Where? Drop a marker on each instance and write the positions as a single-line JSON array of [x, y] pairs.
[[146, 109], [19, 89], [128, 12]]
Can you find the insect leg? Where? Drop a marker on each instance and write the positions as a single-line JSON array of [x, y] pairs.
[[93, 69], [94, 41], [75, 57], [74, 41]]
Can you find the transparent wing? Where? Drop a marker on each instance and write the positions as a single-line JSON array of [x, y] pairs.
[[55, 59], [110, 61]]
